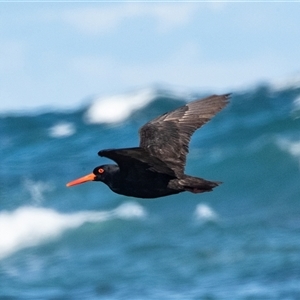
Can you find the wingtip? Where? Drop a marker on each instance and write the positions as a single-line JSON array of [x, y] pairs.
[[220, 96], [227, 96]]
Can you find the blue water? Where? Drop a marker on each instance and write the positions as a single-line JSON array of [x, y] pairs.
[[241, 241]]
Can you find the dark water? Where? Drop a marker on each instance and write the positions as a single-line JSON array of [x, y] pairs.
[[241, 241]]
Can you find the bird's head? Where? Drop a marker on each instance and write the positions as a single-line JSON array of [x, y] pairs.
[[100, 173]]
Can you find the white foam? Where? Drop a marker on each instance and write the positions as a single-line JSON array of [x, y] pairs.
[[290, 82], [62, 129], [31, 226], [130, 210], [292, 147], [296, 108], [205, 213], [37, 189], [115, 109]]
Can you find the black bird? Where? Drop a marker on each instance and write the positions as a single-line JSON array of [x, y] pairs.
[[156, 168]]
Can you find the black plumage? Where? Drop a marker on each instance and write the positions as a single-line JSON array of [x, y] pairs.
[[156, 167]]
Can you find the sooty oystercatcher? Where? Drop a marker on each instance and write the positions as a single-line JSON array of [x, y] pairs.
[[156, 168]]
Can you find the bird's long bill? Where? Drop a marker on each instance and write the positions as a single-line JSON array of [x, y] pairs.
[[89, 177]]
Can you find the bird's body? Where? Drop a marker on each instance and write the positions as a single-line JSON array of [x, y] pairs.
[[141, 184], [156, 168]]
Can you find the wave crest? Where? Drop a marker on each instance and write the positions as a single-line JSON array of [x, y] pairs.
[[205, 213], [118, 108], [30, 226], [62, 129]]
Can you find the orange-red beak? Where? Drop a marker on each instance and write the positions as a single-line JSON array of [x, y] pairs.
[[89, 177]]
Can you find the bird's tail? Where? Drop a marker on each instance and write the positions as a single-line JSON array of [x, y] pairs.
[[195, 184]]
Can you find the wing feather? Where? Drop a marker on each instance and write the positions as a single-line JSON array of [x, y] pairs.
[[167, 137]]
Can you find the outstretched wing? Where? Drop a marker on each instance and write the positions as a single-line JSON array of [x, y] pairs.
[[136, 161], [167, 137]]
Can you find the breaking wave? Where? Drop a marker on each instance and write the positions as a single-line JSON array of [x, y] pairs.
[[30, 226], [117, 108]]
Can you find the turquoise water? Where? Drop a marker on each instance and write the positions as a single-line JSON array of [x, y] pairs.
[[240, 241]]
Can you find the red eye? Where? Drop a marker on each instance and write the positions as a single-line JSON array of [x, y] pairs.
[[101, 171]]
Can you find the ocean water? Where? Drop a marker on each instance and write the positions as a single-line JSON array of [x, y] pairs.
[[241, 241]]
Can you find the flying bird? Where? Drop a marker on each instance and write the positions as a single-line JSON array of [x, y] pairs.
[[156, 168]]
